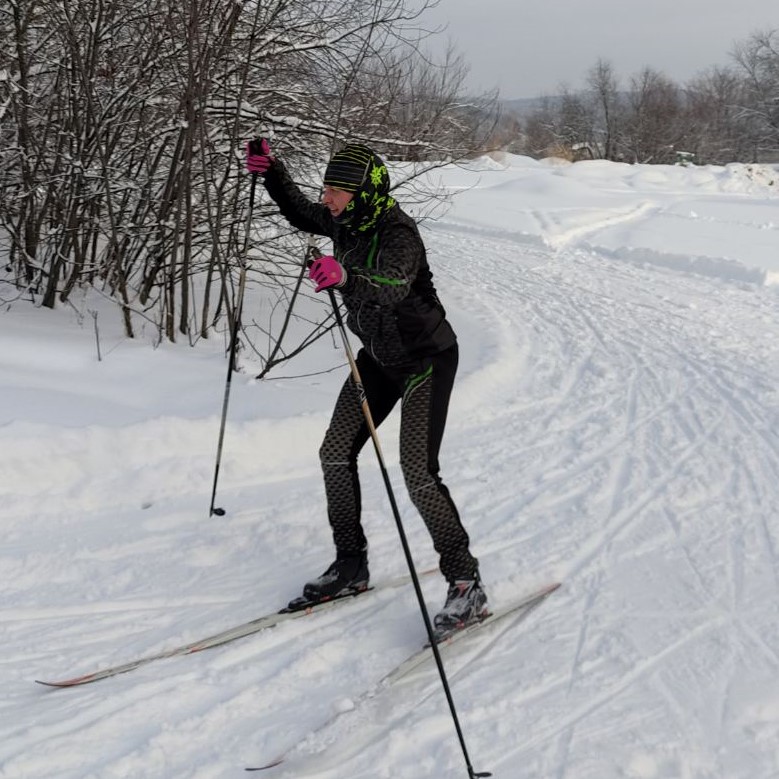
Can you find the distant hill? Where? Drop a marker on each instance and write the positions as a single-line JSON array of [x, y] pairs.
[[522, 107]]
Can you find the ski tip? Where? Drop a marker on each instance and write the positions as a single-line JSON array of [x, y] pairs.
[[66, 683], [554, 586], [546, 590], [273, 764], [74, 682]]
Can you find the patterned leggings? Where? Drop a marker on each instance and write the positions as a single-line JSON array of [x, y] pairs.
[[424, 399]]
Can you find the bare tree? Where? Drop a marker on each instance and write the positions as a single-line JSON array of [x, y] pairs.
[[121, 130], [605, 88], [717, 130], [758, 60], [577, 120], [652, 130], [541, 129]]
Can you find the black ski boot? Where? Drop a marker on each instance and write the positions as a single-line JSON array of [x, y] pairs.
[[347, 576], [466, 603]]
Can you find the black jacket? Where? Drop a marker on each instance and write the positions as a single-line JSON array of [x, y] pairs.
[[389, 296]]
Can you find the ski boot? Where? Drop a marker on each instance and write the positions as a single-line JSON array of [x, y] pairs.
[[466, 603], [346, 577]]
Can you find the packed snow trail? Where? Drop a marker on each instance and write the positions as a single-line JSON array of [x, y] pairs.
[[642, 427], [614, 426]]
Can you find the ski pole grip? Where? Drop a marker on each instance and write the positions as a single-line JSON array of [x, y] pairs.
[[255, 146], [313, 254]]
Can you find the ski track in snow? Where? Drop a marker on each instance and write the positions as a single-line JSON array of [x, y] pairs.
[[614, 427]]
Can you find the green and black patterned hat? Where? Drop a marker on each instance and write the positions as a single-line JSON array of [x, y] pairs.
[[359, 170], [348, 168]]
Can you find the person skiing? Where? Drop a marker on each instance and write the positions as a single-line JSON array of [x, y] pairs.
[[409, 354]]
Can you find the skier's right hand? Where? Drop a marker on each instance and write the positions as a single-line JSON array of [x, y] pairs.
[[258, 156], [326, 272]]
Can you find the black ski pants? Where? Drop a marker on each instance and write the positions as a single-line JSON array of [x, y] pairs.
[[424, 393]]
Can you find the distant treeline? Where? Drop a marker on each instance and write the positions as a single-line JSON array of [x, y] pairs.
[[727, 114]]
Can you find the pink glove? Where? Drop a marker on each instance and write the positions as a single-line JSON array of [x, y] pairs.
[[258, 156], [327, 272]]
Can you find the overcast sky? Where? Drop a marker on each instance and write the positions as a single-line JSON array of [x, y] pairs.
[[529, 47]]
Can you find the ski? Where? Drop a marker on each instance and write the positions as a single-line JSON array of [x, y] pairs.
[[522, 608], [300, 608], [525, 605]]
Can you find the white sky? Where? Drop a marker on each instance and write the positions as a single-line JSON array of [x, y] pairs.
[[529, 47]]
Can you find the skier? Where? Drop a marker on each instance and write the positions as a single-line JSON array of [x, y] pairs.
[[409, 354]]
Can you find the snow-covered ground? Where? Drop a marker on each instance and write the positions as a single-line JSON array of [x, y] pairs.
[[614, 426]]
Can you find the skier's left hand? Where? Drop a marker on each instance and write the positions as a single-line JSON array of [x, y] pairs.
[[326, 272], [258, 156]]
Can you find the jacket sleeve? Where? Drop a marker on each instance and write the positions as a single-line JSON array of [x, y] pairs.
[[295, 207], [388, 277]]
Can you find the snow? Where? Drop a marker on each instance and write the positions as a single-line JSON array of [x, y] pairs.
[[614, 427]]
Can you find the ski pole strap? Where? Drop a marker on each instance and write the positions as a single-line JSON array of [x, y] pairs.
[[312, 253]]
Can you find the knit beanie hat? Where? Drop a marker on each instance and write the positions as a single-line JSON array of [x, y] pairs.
[[359, 170], [348, 168]]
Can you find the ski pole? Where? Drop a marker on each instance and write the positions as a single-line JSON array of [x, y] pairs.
[[315, 253], [233, 345]]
